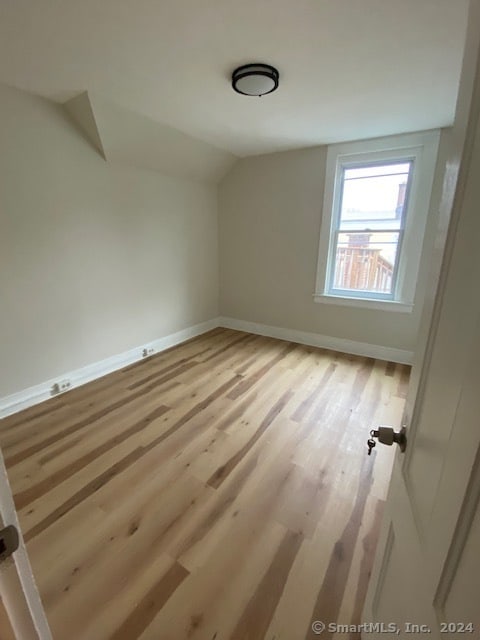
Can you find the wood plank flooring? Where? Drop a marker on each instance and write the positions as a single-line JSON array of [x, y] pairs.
[[216, 491]]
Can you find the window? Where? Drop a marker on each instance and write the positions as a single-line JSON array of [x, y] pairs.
[[369, 228], [377, 196]]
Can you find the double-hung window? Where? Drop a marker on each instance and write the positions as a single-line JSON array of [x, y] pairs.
[[376, 202]]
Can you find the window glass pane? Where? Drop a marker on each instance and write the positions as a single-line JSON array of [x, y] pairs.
[[365, 261], [373, 170], [373, 197]]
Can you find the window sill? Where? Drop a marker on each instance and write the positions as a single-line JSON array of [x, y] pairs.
[[364, 303]]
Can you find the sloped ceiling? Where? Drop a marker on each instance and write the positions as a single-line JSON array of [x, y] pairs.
[[81, 111], [349, 69], [123, 136]]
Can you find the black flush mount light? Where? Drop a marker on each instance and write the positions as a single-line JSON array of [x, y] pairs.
[[255, 79]]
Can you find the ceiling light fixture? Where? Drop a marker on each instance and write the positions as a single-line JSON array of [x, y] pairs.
[[255, 79]]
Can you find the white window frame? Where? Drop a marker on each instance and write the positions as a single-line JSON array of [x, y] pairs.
[[422, 149]]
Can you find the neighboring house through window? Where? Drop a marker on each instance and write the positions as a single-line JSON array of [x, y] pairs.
[[377, 196]]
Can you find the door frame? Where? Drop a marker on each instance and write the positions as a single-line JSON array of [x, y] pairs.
[[18, 590]]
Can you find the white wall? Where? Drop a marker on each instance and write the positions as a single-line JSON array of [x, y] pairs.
[[94, 258], [270, 215]]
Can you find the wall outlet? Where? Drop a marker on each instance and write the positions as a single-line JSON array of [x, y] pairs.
[[60, 387], [148, 352]]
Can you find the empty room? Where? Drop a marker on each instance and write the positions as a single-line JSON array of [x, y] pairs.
[[240, 319]]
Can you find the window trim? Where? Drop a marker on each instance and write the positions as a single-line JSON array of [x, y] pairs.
[[421, 149]]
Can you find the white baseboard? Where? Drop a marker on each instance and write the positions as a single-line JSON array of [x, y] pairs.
[[41, 392], [316, 340]]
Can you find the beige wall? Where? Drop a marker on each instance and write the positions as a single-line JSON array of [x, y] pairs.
[[270, 214], [97, 258], [94, 258]]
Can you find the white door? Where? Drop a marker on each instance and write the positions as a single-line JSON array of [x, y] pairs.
[[21, 612], [426, 577]]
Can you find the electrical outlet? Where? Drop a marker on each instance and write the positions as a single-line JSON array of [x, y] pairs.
[[148, 352], [60, 387]]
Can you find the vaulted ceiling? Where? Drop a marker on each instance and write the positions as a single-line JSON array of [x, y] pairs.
[[349, 69]]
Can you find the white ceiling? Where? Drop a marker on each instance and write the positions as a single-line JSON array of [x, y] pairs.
[[349, 69], [125, 137]]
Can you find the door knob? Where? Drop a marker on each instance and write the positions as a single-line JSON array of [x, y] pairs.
[[388, 436], [9, 540]]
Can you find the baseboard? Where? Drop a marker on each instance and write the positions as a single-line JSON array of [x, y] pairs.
[[316, 340], [41, 392]]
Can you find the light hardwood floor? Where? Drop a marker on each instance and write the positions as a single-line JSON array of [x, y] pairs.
[[219, 490]]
